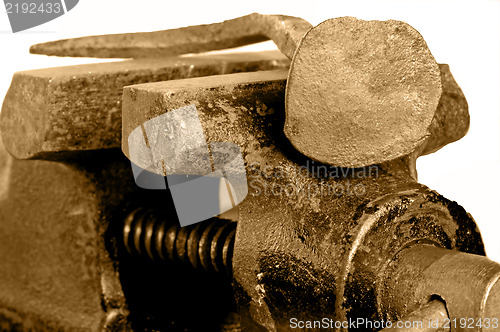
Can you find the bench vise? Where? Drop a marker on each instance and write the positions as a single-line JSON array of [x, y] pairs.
[[327, 240]]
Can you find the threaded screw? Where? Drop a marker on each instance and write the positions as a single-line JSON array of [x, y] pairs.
[[208, 244]]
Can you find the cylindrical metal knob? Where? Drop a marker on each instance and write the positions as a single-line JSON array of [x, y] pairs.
[[209, 244], [468, 284]]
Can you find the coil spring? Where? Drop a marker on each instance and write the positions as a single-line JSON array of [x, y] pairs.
[[208, 244]]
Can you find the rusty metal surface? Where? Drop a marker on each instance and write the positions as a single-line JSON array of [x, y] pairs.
[[56, 272], [312, 240], [50, 111], [157, 235], [366, 124], [285, 31], [451, 121], [432, 315], [468, 284], [141, 102], [365, 96], [165, 293], [304, 255]]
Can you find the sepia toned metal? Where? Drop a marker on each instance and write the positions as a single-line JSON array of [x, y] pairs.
[[468, 284], [61, 268], [143, 235], [156, 234], [451, 120], [49, 112], [312, 240], [372, 101], [450, 123], [285, 31], [56, 273], [143, 102], [361, 92], [431, 317]]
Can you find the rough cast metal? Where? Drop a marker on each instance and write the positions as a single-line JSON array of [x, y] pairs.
[[312, 240], [48, 112]]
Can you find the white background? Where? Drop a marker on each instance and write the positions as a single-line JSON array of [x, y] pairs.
[[464, 34]]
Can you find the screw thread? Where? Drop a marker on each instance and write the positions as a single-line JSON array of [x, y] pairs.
[[207, 245]]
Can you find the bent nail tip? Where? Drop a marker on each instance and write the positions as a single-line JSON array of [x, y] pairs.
[[46, 49], [42, 48], [34, 49]]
